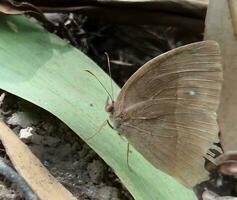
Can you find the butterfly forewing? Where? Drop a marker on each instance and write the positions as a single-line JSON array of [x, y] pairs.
[[168, 109]]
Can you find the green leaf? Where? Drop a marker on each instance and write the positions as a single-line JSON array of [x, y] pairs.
[[45, 70]]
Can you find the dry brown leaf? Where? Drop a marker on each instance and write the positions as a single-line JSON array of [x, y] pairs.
[[227, 163], [12, 7], [31, 169], [208, 195], [221, 26], [7, 8]]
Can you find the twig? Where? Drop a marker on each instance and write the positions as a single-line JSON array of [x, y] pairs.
[[12, 176]]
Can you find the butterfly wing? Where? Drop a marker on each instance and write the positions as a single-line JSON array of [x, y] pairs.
[[168, 109]]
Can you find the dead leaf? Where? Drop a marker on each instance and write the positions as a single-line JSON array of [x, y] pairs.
[[227, 163], [221, 25], [208, 195], [7, 8], [12, 7], [31, 169]]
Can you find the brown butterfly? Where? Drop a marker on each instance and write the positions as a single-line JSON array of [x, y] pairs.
[[167, 109]]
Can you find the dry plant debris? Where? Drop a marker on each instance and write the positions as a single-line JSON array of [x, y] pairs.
[[67, 158], [30, 168]]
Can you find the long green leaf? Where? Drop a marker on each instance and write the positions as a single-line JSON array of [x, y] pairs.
[[45, 70]]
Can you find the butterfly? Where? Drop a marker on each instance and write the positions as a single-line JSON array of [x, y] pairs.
[[167, 109]]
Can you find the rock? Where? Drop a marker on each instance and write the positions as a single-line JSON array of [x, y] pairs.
[[209, 195], [26, 134], [50, 141], [76, 147], [64, 152], [7, 193], [37, 139], [45, 140], [2, 97], [39, 151], [76, 164], [17, 129], [108, 193], [49, 127], [96, 171], [24, 119]]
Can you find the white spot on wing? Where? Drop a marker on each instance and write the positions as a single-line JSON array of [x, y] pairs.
[[192, 93]]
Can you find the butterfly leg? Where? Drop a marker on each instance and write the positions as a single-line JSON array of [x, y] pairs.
[[98, 131], [109, 124]]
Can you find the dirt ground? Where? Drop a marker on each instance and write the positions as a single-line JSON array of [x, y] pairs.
[[67, 157]]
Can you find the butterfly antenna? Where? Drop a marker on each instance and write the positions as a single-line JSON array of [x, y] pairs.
[[100, 84], [97, 132], [110, 74]]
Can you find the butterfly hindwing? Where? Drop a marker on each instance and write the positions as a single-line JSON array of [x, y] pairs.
[[168, 109]]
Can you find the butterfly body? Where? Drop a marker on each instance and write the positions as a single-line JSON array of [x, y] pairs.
[[167, 110]]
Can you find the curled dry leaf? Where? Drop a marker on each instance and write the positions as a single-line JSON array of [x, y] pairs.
[[208, 195], [227, 163], [12, 7], [7, 8], [221, 26]]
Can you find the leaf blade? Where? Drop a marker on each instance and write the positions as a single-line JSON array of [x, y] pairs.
[[50, 73]]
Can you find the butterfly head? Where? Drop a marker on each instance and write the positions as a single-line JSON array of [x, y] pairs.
[[114, 117], [109, 106]]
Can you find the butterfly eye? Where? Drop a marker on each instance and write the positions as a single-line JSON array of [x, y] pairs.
[[109, 107]]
